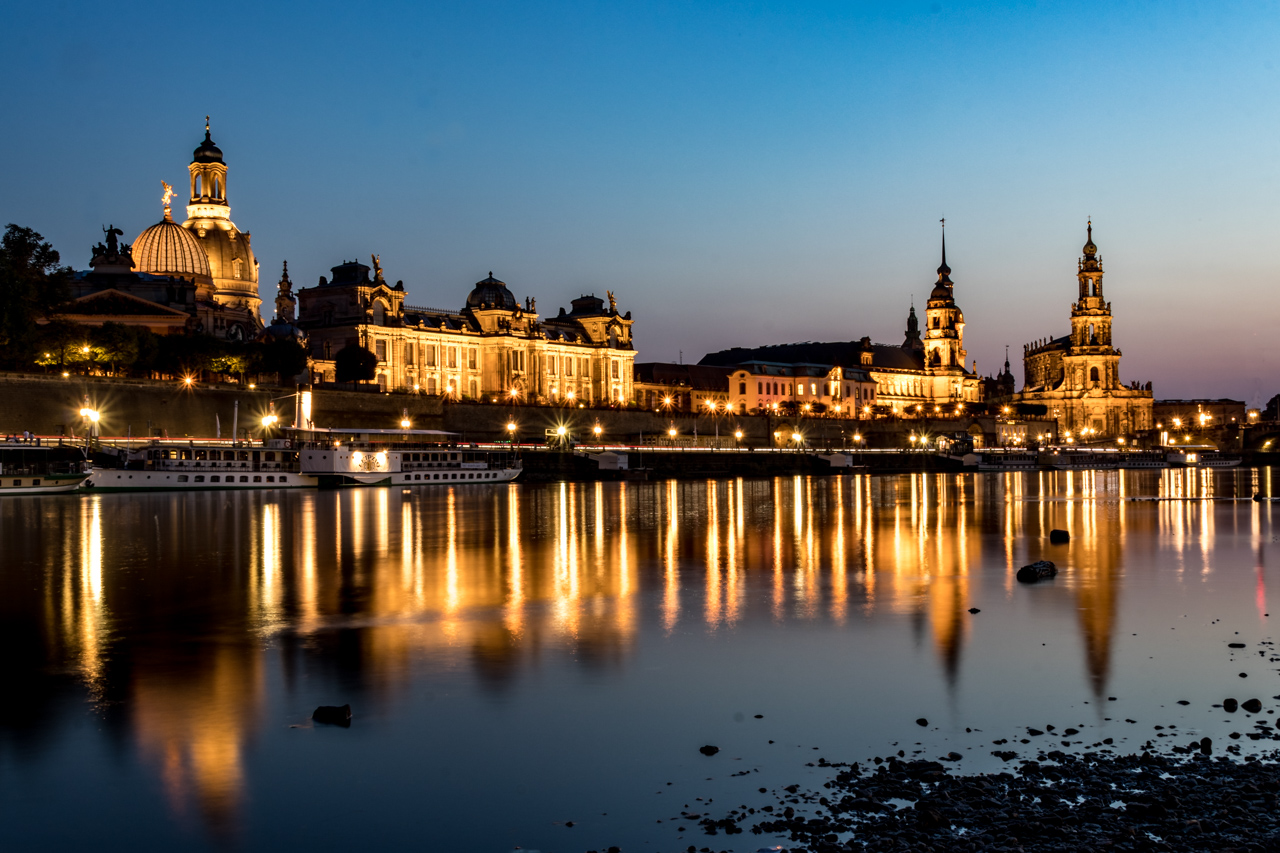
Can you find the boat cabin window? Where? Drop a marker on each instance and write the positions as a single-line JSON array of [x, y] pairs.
[[215, 478], [244, 456], [269, 456], [199, 478], [202, 454]]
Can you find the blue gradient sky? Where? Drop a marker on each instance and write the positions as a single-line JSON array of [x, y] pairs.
[[738, 173]]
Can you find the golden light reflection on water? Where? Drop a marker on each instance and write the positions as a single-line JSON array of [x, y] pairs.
[[490, 579]]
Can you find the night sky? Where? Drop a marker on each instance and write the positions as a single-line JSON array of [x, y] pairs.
[[738, 173]]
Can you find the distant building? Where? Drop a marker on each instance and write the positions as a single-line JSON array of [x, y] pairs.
[[1077, 376], [926, 371], [200, 276], [1172, 415], [207, 249], [493, 347], [111, 292], [666, 387], [759, 386]]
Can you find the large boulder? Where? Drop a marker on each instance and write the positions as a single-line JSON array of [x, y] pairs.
[[1039, 570]]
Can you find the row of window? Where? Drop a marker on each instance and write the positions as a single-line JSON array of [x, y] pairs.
[[465, 475], [211, 455], [199, 478], [778, 388], [33, 482]]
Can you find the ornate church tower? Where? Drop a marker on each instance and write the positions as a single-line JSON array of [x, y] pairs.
[[944, 334], [286, 302], [232, 263], [912, 342], [1091, 362]]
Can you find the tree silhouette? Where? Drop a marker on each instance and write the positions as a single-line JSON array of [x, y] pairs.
[[354, 364], [32, 287]]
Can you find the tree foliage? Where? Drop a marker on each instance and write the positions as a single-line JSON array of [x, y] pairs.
[[355, 364], [33, 285]]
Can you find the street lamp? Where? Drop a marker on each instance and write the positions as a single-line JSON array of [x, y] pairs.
[[597, 429]]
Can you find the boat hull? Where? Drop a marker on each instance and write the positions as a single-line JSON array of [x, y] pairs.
[[123, 480], [43, 485]]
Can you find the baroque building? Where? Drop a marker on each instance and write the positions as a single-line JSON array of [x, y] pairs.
[[926, 371], [207, 249], [1077, 376], [493, 347]]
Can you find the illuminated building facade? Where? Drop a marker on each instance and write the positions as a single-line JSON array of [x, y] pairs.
[[208, 250], [494, 347], [1077, 377], [925, 372], [759, 386]]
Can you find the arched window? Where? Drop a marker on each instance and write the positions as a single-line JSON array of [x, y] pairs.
[[1093, 374], [379, 314]]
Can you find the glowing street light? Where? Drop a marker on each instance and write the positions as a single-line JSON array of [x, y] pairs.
[[737, 433], [597, 429]]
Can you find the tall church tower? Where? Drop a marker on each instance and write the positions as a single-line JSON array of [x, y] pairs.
[[231, 259], [1091, 362], [944, 333]]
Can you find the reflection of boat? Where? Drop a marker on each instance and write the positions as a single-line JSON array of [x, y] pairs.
[[32, 467], [210, 464], [1084, 460], [384, 457]]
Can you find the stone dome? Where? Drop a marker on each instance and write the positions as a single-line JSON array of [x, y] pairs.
[[167, 248], [491, 293], [229, 255]]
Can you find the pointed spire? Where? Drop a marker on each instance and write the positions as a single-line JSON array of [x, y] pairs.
[[944, 271], [1090, 250]]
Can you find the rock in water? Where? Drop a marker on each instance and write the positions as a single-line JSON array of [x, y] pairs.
[[922, 722], [709, 749], [1038, 570], [974, 610], [1229, 705], [333, 715], [1059, 537], [1253, 706]]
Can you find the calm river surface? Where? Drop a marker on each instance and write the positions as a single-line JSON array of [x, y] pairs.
[[519, 658]]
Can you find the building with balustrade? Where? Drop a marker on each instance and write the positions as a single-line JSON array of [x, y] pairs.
[[493, 348]]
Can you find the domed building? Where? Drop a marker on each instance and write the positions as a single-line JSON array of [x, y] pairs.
[[495, 347], [209, 249]]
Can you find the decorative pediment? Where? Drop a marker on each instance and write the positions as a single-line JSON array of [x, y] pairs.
[[117, 303]]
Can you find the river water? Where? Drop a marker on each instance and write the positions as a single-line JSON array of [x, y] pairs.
[[537, 666]]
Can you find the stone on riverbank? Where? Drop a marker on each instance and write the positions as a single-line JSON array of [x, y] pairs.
[[1059, 537], [333, 715], [1039, 570]]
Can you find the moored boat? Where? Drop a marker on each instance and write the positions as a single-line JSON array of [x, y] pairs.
[[1084, 460], [204, 465], [381, 457], [32, 466]]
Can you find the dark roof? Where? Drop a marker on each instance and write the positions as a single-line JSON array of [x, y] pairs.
[[207, 152], [348, 273], [491, 293], [1063, 342], [699, 377], [835, 353]]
